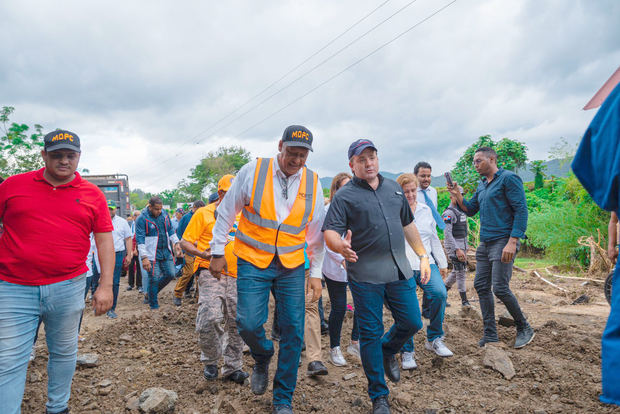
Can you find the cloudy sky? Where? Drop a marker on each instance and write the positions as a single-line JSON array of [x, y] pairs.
[[152, 86]]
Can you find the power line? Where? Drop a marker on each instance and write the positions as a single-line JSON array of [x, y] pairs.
[[355, 63], [344, 70], [276, 81]]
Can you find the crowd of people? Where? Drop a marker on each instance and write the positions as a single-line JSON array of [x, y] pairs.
[[269, 232]]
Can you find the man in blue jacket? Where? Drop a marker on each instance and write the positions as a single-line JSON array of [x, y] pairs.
[[157, 242], [597, 165]]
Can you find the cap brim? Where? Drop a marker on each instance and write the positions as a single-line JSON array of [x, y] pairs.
[[62, 146], [299, 144]]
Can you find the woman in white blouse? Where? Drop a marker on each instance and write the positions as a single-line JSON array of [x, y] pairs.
[[434, 290], [335, 275]]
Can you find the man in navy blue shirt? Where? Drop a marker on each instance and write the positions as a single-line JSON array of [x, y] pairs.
[[500, 199]]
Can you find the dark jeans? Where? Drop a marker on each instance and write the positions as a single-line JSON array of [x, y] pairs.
[[374, 343], [338, 299], [253, 287], [135, 272], [119, 257], [491, 273], [162, 272], [435, 292]]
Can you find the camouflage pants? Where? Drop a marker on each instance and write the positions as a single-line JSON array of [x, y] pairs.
[[215, 322]]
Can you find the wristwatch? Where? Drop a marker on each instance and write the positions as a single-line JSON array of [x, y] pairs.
[[422, 256]]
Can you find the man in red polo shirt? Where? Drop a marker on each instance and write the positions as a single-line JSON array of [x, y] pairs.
[[48, 216]]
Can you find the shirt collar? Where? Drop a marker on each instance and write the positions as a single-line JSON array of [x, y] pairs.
[[364, 183], [76, 182], [497, 174]]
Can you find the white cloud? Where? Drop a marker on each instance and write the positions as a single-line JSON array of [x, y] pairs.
[[144, 83]]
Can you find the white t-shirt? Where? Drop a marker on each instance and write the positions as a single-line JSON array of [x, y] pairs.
[[120, 233]]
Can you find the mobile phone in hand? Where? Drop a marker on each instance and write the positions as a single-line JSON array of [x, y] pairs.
[[448, 179]]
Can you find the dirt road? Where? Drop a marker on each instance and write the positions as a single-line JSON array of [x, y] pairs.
[[558, 373]]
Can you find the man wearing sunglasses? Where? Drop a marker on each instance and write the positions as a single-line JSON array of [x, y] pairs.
[[48, 217]]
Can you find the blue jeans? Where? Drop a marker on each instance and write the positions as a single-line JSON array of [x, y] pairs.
[[374, 344], [435, 292], [60, 306], [253, 286], [338, 299], [162, 272], [116, 281], [610, 347]]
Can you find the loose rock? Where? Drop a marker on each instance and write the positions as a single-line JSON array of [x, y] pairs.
[[157, 401], [133, 404], [497, 359], [349, 376], [87, 360]]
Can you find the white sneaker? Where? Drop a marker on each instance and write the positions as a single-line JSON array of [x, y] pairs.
[[33, 355], [438, 347], [407, 360], [336, 358], [354, 349]]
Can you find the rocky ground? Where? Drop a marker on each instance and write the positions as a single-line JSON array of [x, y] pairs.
[[559, 372]]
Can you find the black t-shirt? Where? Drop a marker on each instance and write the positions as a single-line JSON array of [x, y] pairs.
[[376, 219]]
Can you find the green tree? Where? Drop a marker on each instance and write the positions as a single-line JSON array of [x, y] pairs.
[[538, 168], [511, 155], [19, 152], [204, 177]]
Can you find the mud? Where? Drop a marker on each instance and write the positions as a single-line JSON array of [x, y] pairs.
[[559, 372]]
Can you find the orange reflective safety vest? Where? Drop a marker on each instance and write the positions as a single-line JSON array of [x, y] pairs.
[[259, 236]]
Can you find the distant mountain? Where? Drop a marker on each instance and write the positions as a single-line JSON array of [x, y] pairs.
[[553, 168]]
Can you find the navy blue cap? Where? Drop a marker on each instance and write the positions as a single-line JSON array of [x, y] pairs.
[[360, 145]]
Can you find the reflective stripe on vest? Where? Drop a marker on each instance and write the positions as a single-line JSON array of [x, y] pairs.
[[260, 235]]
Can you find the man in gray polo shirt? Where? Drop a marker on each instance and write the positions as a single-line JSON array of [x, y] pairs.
[[377, 220]]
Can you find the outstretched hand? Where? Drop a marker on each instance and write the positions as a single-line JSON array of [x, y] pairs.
[[346, 250]]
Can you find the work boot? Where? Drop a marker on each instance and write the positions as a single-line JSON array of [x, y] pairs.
[[210, 372], [260, 377], [237, 376], [380, 405], [524, 336], [390, 366], [316, 368]]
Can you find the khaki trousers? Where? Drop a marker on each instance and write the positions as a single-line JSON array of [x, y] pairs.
[[312, 328], [186, 275]]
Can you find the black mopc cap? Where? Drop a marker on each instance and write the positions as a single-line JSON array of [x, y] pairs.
[[297, 136]]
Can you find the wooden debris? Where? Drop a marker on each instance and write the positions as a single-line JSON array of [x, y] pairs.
[[548, 282]]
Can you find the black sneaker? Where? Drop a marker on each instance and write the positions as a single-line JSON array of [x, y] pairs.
[[324, 328], [524, 336], [129, 288], [282, 409], [316, 368], [237, 376], [380, 405], [210, 372]]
